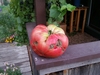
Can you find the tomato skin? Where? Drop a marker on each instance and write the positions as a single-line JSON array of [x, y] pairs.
[[48, 45]]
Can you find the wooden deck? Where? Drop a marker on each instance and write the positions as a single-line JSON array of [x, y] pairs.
[[17, 55]]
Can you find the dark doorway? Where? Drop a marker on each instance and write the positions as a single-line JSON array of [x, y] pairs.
[[95, 15]]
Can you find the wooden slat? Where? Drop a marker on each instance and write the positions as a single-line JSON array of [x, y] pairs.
[[12, 53], [25, 69], [40, 12], [78, 19], [71, 22], [17, 55], [27, 73], [23, 64], [84, 19], [10, 48], [11, 58], [84, 70], [16, 60], [65, 72]]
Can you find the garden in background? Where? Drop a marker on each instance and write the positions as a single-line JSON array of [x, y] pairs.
[[13, 17]]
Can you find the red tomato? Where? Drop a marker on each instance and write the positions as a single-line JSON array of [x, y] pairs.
[[49, 41]]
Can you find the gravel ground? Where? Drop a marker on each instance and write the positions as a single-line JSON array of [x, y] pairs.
[[78, 37]]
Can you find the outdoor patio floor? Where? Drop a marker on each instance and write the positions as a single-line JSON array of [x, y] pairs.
[[78, 38]]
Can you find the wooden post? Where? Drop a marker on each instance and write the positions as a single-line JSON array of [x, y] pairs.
[[78, 19], [84, 19], [71, 22], [65, 72], [40, 12]]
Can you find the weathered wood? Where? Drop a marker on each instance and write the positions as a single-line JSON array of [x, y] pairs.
[[83, 54], [27, 73], [75, 71], [70, 67], [65, 72], [92, 69], [25, 69], [15, 54], [40, 12], [84, 70]]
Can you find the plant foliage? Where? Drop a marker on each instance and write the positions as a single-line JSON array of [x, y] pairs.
[[24, 12], [10, 69], [7, 24], [5, 2], [57, 10]]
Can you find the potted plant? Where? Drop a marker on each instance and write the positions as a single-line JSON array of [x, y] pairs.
[[57, 10]]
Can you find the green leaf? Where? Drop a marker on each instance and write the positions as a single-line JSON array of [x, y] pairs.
[[62, 1], [53, 6], [18, 20], [32, 14], [61, 15], [50, 21], [32, 20], [54, 12], [24, 0], [70, 7], [63, 7], [60, 18], [56, 23], [63, 12], [20, 28]]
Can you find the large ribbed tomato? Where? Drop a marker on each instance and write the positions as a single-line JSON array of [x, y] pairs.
[[49, 41]]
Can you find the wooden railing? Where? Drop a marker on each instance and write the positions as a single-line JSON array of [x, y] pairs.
[[75, 56]]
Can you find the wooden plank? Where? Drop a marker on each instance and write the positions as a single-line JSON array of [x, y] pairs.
[[27, 73], [70, 71], [17, 55], [23, 64], [78, 19], [40, 12], [65, 72], [60, 73], [94, 69], [91, 69], [77, 71], [11, 48], [68, 66], [15, 61], [84, 70], [11, 58], [25, 69], [2, 45], [5, 54], [84, 19], [71, 22], [13, 53]]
